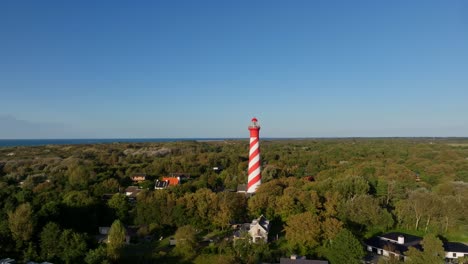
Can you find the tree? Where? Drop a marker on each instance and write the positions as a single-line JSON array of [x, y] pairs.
[[21, 223], [119, 203], [462, 260], [366, 211], [303, 231], [49, 236], [186, 241], [231, 207], [201, 207], [78, 176], [345, 249], [214, 259], [330, 228], [116, 240], [97, 256], [73, 246], [433, 252], [30, 253]]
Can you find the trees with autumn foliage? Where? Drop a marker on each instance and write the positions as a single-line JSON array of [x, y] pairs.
[[311, 190]]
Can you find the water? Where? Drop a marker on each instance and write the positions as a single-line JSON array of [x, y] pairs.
[[41, 142]]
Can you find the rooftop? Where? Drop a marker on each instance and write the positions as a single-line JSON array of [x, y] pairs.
[[455, 247], [409, 239]]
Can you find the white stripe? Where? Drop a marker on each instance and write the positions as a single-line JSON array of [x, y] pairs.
[[254, 173], [254, 187], [253, 148], [254, 160]]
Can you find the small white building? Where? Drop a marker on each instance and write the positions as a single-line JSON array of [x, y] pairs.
[[393, 244], [396, 244], [454, 250], [259, 229]]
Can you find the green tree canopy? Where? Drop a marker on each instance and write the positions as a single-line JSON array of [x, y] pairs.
[[345, 249], [303, 232], [50, 249], [116, 240], [433, 251], [186, 241], [21, 222], [73, 246], [120, 204]]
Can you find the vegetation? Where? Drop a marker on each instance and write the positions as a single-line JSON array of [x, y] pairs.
[[321, 197]]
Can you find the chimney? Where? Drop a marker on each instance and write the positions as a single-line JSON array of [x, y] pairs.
[[401, 240]]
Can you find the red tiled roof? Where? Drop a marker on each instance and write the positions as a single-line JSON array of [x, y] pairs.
[[172, 180]]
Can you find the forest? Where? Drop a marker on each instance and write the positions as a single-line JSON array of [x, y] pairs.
[[323, 197]]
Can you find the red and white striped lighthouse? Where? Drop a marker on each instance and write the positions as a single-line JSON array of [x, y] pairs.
[[255, 178]]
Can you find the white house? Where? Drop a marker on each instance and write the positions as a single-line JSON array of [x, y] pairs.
[[393, 244], [396, 244], [259, 229], [454, 250]]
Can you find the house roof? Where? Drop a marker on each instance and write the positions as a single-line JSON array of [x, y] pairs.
[[263, 222], [172, 180], [455, 247], [241, 229], [161, 184], [377, 242], [132, 191], [131, 188], [302, 261], [242, 188], [409, 239]]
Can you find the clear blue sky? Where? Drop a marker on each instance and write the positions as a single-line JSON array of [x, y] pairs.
[[205, 68]]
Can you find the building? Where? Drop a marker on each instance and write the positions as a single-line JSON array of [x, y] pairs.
[[393, 244], [254, 172], [454, 250], [242, 188], [295, 259], [132, 191], [396, 244], [137, 178], [7, 261], [257, 230], [173, 180]]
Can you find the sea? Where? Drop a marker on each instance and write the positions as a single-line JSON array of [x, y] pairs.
[[42, 142]]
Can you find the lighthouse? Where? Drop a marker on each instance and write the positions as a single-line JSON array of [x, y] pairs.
[[254, 178]]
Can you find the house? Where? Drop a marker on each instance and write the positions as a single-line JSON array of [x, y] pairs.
[[132, 191], [454, 250], [218, 169], [7, 261], [160, 184], [172, 180], [257, 230], [294, 259], [393, 244], [137, 178], [242, 188], [396, 244]]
